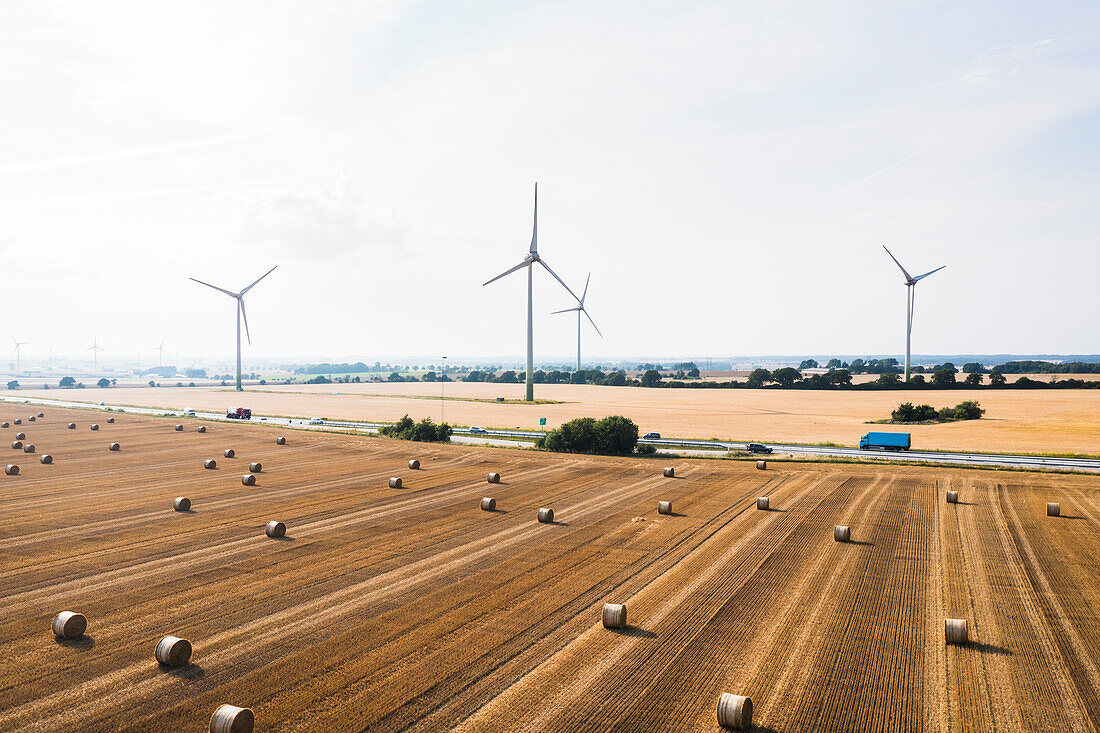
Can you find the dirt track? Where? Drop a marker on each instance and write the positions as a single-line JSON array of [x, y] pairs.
[[389, 609]]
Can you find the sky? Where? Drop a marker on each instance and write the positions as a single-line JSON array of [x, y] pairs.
[[727, 172]]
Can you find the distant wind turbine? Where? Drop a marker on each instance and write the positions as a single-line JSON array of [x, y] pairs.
[[160, 350], [95, 348], [529, 262], [18, 345], [239, 297], [910, 299], [581, 309]]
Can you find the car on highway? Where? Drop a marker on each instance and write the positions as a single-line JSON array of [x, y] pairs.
[[651, 436], [316, 421], [757, 448], [189, 412], [238, 413], [475, 430]]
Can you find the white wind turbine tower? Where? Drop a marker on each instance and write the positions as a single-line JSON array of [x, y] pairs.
[[239, 297], [18, 346], [160, 349], [910, 296], [95, 348], [581, 309], [529, 262]]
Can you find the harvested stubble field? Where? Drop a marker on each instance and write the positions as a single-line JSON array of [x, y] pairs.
[[392, 609], [1016, 421]]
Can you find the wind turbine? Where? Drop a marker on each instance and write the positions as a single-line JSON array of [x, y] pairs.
[[529, 262], [581, 309], [239, 297], [160, 349], [910, 296], [95, 348], [18, 344]]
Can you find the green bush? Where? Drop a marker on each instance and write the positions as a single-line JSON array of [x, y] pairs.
[[424, 431], [968, 410], [614, 436], [646, 449]]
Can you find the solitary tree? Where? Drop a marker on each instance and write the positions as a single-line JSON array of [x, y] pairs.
[[759, 377], [103, 383], [973, 379], [651, 378], [70, 382], [996, 379], [943, 377]]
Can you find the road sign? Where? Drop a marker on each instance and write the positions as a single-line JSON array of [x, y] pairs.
[[542, 421]]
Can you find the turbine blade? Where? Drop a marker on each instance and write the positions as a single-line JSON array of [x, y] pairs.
[[921, 277], [261, 277], [895, 259], [223, 290], [508, 272], [244, 314], [543, 263], [535, 226], [585, 293], [567, 310], [592, 322]]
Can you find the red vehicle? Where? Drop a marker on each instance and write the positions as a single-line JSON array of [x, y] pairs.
[[241, 413]]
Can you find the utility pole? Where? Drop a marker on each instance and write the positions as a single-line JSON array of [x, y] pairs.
[[442, 393]]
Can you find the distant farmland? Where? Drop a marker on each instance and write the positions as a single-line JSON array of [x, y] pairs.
[[1047, 421], [395, 609]]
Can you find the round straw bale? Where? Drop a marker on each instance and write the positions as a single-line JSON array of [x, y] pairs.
[[232, 719], [209, 463], [179, 428], [173, 651], [1054, 509], [20, 436], [113, 446], [546, 515], [229, 453], [202, 428], [494, 478], [248, 480], [18, 421], [842, 533], [17, 445], [42, 414], [954, 630], [72, 426], [4, 424], [614, 615], [95, 427], [395, 482], [670, 472], [489, 504], [664, 507], [110, 419], [181, 504], [952, 497], [11, 469], [28, 448], [275, 529], [762, 465], [280, 440], [47, 458], [255, 467], [69, 625], [735, 711], [414, 464], [30, 419], [763, 503]]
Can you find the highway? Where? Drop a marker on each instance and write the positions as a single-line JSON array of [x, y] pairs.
[[515, 438]]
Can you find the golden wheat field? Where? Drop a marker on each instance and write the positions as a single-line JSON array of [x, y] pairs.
[[412, 609], [1055, 421]]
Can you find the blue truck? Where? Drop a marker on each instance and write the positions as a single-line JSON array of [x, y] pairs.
[[884, 441]]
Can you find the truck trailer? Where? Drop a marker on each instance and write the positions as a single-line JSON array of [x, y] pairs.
[[884, 441]]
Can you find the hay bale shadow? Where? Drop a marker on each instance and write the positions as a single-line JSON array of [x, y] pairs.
[[988, 648], [81, 642], [634, 632], [284, 538], [189, 671], [861, 542]]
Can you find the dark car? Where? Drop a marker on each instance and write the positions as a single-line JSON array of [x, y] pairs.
[[757, 448], [651, 436]]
